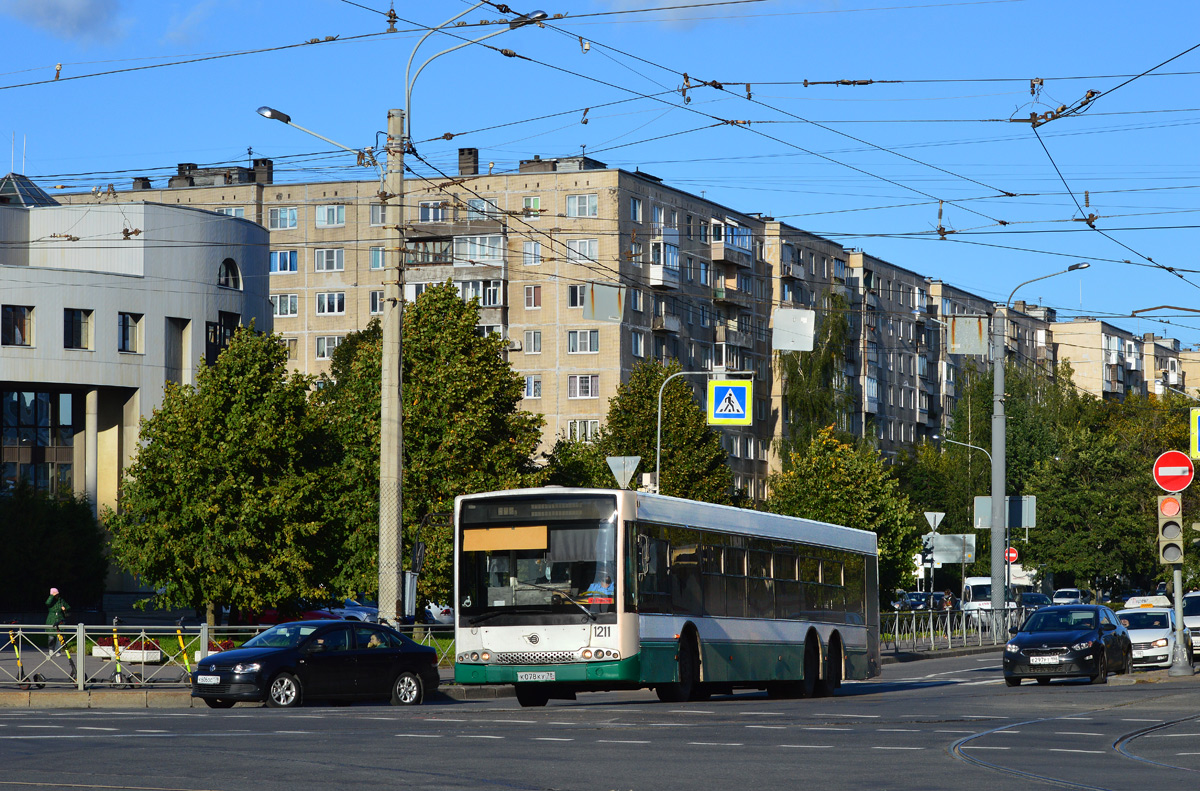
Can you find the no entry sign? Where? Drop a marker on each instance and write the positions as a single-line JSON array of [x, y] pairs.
[[1010, 554], [1173, 471]]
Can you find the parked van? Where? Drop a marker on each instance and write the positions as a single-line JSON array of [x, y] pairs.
[[977, 596]]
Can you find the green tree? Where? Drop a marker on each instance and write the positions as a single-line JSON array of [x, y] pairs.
[[463, 433], [814, 390], [693, 461], [223, 502], [844, 484], [49, 542]]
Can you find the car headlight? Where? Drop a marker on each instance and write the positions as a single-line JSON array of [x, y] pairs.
[[1085, 645], [1012, 648], [1160, 643], [247, 667]]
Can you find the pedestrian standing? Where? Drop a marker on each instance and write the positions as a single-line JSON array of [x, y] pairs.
[[58, 609]]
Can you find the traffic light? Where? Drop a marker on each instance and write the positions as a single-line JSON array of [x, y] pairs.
[[927, 549], [1170, 529]]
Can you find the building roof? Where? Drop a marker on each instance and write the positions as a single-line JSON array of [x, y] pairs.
[[17, 190]]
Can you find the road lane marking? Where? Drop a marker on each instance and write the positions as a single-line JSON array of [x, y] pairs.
[[1076, 733], [1063, 750], [477, 736], [983, 717], [982, 747], [716, 744], [898, 730], [39, 726], [689, 711], [1075, 718], [295, 732], [1149, 736], [621, 741], [551, 739], [861, 716], [518, 722], [810, 746], [826, 729], [1135, 719], [444, 719], [761, 713], [897, 748], [769, 727], [93, 728], [139, 730], [421, 735]]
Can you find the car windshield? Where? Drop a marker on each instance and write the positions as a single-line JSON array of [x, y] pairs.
[[1035, 598], [285, 635], [1060, 621], [1143, 620], [1191, 605], [1066, 593], [918, 598]]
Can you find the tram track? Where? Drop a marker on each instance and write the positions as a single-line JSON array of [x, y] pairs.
[[1119, 746]]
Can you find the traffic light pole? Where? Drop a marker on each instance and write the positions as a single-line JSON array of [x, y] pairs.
[[1181, 660]]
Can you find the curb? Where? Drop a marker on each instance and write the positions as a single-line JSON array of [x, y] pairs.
[[897, 657], [182, 698]]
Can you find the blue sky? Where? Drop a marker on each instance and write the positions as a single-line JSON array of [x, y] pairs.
[[864, 165]]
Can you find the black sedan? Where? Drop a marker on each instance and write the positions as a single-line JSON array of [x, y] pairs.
[[291, 663], [1071, 640]]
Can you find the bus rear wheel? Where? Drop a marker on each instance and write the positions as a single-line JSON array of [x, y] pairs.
[[832, 679], [531, 697], [688, 686]]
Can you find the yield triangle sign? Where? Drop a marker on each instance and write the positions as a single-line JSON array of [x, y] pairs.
[[623, 468]]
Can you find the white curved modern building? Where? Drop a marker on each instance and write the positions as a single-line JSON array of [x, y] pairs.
[[100, 306]]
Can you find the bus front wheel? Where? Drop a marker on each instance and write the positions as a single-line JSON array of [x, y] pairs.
[[689, 674]]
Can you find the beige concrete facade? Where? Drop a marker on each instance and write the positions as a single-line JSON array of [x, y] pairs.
[[1107, 361]]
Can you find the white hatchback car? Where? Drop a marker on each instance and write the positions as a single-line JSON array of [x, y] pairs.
[[1152, 632], [1191, 617]]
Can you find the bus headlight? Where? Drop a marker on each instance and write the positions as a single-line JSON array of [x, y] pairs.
[[474, 656], [587, 653], [485, 656]]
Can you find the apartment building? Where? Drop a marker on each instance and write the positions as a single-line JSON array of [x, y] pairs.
[[1163, 368], [1107, 361]]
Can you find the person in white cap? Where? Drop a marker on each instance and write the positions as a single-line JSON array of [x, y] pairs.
[[57, 615]]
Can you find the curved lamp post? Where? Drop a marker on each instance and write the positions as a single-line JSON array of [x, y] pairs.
[[391, 431]]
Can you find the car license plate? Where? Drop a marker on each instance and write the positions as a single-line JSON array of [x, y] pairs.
[[1043, 660], [208, 679], [545, 675]]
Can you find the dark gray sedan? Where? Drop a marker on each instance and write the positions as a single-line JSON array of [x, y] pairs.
[[293, 663], [1071, 640]]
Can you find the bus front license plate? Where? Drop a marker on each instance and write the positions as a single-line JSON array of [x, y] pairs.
[[545, 675]]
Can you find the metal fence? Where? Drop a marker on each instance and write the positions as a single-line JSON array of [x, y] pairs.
[[83, 657], [930, 630]]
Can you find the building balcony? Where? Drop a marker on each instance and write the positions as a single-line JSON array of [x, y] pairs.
[[732, 255], [791, 269], [663, 277], [1112, 357], [666, 324], [732, 296], [733, 337], [1134, 363], [948, 389], [870, 405]]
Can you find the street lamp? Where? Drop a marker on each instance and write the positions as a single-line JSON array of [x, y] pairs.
[[998, 443], [391, 429]]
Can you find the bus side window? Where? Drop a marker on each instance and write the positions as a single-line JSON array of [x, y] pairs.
[[654, 587]]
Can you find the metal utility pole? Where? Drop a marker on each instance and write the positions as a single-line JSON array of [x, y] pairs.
[[391, 404], [999, 462]]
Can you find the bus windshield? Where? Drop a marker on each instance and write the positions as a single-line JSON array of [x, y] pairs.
[[546, 559]]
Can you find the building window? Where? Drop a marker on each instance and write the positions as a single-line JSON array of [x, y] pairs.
[[285, 305], [484, 250], [533, 341], [228, 275], [283, 261], [703, 232], [488, 292], [581, 250], [376, 303], [583, 341], [484, 330], [289, 345], [378, 214], [656, 217], [128, 327], [532, 253], [583, 430], [77, 329], [34, 421], [326, 344], [687, 224], [331, 216], [376, 257], [635, 253], [480, 209], [533, 386], [431, 211], [583, 386], [581, 206], [635, 209], [281, 219], [332, 303], [575, 296], [17, 325], [635, 300], [491, 294], [533, 297], [331, 260], [429, 251], [532, 206], [691, 269], [232, 211], [665, 254], [637, 344]]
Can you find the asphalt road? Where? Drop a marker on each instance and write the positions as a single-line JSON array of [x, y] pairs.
[[937, 724]]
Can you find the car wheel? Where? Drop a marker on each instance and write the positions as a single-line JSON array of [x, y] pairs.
[[1127, 665], [1012, 681], [1101, 676], [408, 690], [219, 703], [284, 692], [1043, 681], [531, 697]]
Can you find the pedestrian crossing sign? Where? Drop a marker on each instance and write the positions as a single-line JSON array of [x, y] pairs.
[[729, 402]]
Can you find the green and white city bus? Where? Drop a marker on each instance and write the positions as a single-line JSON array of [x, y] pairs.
[[563, 590]]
